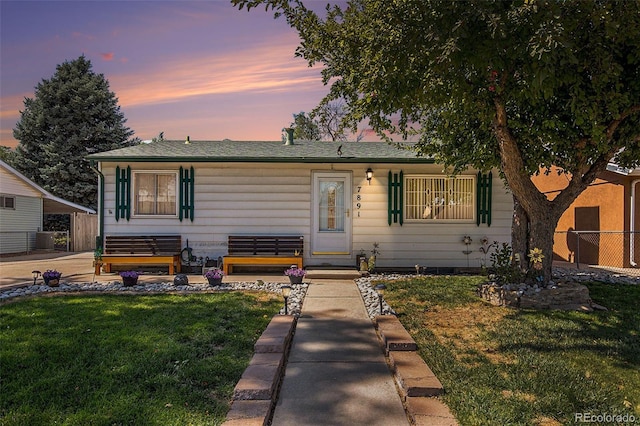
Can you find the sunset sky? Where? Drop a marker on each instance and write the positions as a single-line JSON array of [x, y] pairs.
[[198, 68]]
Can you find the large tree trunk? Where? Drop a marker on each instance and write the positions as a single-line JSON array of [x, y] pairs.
[[519, 231], [542, 226], [543, 214]]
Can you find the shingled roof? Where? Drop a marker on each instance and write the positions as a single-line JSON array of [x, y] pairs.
[[261, 152]]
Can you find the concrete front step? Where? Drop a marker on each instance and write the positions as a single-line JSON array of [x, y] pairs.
[[332, 274]]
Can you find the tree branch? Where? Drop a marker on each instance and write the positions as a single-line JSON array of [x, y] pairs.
[[512, 165]]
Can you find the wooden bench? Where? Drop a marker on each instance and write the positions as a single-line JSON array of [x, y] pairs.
[[260, 250], [142, 250]]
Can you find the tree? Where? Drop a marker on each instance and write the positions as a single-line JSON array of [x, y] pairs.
[[72, 114], [329, 118], [323, 123], [158, 138], [7, 155], [304, 128], [521, 85]]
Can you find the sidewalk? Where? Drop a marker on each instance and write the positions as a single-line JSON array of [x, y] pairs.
[[336, 371]]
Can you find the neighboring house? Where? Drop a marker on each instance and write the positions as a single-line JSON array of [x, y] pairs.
[[606, 217], [22, 206], [208, 190]]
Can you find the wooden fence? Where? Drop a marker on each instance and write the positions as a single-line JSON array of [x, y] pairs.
[[84, 229]]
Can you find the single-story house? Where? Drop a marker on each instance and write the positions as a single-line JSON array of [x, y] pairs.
[[602, 226], [22, 206], [341, 197]]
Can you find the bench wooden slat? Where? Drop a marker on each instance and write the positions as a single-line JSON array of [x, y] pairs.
[[143, 250], [256, 250]]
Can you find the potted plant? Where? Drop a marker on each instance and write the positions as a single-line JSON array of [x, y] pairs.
[[51, 277], [214, 276], [129, 278], [97, 260], [295, 274], [372, 260]]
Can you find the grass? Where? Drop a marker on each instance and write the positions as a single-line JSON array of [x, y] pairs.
[[126, 359], [501, 366]]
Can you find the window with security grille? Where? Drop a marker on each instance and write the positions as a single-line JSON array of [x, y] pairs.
[[438, 198]]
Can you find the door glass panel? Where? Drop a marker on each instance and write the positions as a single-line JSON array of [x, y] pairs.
[[331, 208]]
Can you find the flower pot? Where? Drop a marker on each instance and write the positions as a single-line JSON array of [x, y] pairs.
[[129, 281], [214, 281], [295, 280], [52, 282]]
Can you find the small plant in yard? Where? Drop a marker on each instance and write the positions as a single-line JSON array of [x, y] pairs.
[[375, 251], [97, 254], [295, 272], [214, 273], [51, 274], [503, 266], [485, 246], [129, 274]]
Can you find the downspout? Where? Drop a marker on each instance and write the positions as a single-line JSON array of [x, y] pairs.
[[99, 238], [632, 224]]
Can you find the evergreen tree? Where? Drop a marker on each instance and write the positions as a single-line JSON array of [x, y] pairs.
[[7, 155], [73, 114]]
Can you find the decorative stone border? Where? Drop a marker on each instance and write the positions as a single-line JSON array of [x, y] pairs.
[[416, 382], [255, 395], [563, 296]]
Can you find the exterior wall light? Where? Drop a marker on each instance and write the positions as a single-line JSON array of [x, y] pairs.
[[369, 174]]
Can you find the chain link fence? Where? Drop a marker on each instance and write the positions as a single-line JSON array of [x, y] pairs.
[[619, 249], [14, 242]]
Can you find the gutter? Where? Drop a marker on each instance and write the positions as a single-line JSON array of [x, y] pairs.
[[632, 223], [99, 238]]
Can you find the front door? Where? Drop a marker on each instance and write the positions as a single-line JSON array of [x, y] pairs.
[[331, 213]]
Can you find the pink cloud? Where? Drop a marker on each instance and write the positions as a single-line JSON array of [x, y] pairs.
[[269, 68], [107, 56]]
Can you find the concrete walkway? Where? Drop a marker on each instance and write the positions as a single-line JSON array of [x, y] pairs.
[[336, 373]]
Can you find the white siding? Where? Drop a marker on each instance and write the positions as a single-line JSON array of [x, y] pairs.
[[269, 198], [11, 184], [18, 226]]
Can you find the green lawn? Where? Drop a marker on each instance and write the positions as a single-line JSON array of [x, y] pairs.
[[501, 366], [126, 359]]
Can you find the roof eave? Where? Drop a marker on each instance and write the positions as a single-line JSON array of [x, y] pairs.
[[418, 160]]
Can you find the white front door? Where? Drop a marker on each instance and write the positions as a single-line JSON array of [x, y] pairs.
[[331, 213]]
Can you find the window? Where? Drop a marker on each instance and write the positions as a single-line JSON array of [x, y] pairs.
[[437, 198], [154, 193], [7, 202]]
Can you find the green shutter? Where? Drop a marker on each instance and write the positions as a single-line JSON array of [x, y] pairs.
[[395, 198], [483, 198], [187, 191], [123, 193]]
